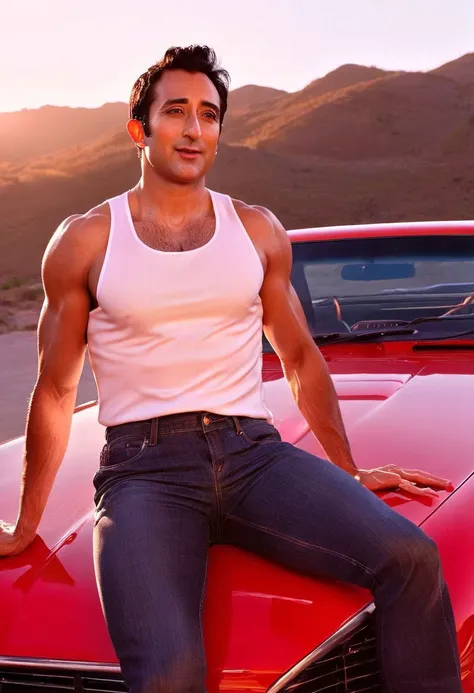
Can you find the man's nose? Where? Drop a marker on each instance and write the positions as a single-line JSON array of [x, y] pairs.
[[192, 127]]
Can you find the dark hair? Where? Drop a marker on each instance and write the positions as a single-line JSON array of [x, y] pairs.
[[192, 59]]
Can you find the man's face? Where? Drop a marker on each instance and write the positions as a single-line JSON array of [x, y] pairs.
[[184, 125]]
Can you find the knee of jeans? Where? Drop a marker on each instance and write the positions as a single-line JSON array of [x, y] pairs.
[[412, 554]]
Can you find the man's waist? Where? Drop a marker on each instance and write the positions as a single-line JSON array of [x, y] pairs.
[[177, 423]]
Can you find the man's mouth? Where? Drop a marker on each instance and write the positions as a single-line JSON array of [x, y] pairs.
[[188, 152]]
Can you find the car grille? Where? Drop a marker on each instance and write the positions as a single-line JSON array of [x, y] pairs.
[[40, 680], [350, 667]]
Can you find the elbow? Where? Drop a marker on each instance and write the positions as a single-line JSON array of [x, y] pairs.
[[48, 389]]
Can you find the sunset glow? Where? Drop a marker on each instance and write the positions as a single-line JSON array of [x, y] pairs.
[[88, 53]]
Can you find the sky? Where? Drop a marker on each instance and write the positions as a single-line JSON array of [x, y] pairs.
[[89, 52]]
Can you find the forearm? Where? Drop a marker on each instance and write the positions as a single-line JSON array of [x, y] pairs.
[[47, 434], [314, 393]]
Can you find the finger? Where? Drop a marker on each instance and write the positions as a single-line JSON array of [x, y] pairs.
[[412, 474], [424, 478], [409, 487], [419, 474], [434, 478], [391, 481]]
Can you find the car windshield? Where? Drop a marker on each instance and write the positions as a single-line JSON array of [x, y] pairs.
[[368, 284]]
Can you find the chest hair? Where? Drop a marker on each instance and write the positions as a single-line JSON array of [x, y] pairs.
[[193, 234]]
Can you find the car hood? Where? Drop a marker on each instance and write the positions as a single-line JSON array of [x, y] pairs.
[[412, 412], [405, 412]]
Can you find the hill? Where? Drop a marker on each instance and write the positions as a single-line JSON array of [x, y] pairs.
[[250, 96], [461, 70], [395, 116], [31, 133], [246, 127]]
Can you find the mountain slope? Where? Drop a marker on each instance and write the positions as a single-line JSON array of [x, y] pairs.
[[31, 133], [461, 69], [251, 95], [401, 115], [248, 127], [341, 78]]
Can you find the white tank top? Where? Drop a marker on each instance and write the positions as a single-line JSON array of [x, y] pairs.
[[178, 331]]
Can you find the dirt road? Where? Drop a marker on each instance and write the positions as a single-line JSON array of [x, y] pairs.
[[18, 363]]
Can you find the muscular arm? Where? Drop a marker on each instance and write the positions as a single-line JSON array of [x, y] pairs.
[[61, 351], [303, 364]]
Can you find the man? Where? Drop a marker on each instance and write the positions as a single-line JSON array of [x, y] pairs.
[[169, 284]]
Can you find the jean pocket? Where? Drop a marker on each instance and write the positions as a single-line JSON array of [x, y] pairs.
[[122, 451], [259, 432]]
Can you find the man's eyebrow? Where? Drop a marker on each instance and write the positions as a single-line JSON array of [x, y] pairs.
[[209, 104], [184, 101]]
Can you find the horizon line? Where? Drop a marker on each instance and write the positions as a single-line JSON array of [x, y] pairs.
[[243, 86]]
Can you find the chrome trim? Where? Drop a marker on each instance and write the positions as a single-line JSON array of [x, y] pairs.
[[85, 405], [323, 649], [20, 662]]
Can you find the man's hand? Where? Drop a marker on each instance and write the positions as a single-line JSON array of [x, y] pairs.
[[392, 477], [10, 543]]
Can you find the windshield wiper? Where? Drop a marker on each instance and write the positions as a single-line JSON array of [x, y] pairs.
[[439, 318], [408, 329], [337, 337]]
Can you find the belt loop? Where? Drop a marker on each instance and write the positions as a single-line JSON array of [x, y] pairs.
[[237, 425], [154, 432]]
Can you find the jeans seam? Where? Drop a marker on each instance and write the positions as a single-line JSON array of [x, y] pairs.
[[143, 449], [304, 544], [259, 442], [453, 644], [218, 459], [201, 603], [119, 439], [380, 616]]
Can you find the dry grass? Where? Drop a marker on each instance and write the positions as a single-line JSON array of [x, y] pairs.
[[20, 304]]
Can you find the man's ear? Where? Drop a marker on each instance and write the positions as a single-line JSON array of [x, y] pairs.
[[136, 132]]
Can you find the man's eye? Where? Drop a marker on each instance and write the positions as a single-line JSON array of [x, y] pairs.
[[210, 114], [175, 110]]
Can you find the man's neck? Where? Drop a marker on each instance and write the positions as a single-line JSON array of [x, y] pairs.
[[170, 201]]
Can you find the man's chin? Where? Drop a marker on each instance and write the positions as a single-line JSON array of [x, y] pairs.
[[188, 174]]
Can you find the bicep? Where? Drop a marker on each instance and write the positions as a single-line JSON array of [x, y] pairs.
[[63, 321], [284, 321]]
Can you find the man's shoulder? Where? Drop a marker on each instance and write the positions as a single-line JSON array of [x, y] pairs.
[[82, 229], [253, 213], [81, 225], [259, 220], [78, 238]]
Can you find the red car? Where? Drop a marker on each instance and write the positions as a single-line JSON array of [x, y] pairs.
[[391, 307]]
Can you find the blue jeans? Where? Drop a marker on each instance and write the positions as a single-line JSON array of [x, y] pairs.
[[166, 489]]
